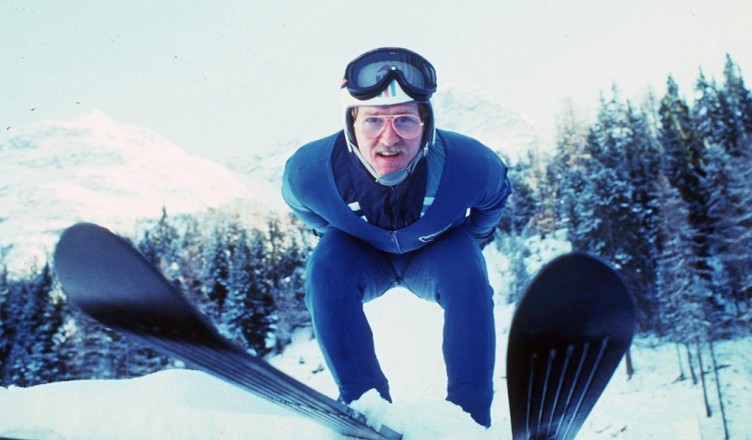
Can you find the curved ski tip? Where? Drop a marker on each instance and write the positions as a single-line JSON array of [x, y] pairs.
[[580, 270], [583, 258], [82, 227]]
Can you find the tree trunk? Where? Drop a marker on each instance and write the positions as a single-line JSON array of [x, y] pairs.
[[720, 393], [708, 411], [691, 365], [682, 376]]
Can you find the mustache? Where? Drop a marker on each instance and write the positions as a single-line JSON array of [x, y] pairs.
[[394, 149]]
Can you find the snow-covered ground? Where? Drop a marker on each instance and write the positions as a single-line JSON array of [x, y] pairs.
[[182, 404]]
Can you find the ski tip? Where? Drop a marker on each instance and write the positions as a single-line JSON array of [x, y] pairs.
[[577, 285], [579, 270], [76, 233]]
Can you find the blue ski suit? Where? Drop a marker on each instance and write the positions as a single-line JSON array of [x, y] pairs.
[[437, 257]]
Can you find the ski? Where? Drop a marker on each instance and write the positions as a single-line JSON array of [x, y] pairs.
[[110, 280], [569, 332]]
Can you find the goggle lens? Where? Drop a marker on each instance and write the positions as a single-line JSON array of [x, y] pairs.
[[369, 74]]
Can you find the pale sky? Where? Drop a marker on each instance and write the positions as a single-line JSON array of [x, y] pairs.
[[226, 78]]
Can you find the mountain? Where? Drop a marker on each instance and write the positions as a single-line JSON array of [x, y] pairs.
[[55, 173], [472, 112], [263, 171]]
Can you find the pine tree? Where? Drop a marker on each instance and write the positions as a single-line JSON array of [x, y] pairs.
[[94, 351], [32, 356], [564, 172], [523, 205], [44, 353], [684, 152], [7, 320], [291, 244], [192, 245], [683, 164], [641, 221], [249, 305], [609, 200], [737, 101], [681, 291], [609, 143], [712, 116], [217, 272], [729, 178], [603, 188], [159, 246]]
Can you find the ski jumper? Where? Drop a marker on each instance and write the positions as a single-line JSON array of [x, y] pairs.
[[437, 257]]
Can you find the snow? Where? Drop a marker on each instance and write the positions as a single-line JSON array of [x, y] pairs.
[[173, 404], [183, 404], [56, 173]]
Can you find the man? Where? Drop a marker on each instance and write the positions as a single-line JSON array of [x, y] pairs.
[[397, 202]]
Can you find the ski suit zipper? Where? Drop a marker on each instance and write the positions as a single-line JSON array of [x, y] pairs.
[[395, 241]]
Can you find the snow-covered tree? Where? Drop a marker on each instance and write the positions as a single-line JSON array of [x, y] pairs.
[[7, 319], [641, 223], [682, 292], [523, 204], [737, 103], [615, 201], [729, 179], [564, 171], [216, 272], [249, 304], [34, 317], [291, 244], [159, 245], [711, 115], [683, 162]]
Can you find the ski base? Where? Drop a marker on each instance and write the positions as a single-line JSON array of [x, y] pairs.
[[568, 335]]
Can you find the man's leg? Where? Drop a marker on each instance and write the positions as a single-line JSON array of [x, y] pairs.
[[452, 271], [343, 273]]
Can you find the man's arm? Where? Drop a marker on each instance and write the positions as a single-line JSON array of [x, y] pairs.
[[486, 214], [309, 217]]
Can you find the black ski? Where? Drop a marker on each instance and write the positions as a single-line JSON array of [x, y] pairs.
[[110, 280], [569, 333]]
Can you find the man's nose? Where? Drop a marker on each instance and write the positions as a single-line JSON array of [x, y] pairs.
[[389, 137]]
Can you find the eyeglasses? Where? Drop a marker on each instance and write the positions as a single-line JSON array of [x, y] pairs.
[[406, 126], [369, 74]]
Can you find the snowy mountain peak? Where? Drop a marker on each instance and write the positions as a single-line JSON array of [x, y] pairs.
[[94, 118], [471, 111], [92, 168]]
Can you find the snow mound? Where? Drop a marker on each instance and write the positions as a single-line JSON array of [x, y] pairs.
[[174, 404]]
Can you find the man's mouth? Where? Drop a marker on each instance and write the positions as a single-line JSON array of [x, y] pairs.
[[389, 153]]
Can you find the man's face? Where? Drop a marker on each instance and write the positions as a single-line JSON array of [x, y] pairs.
[[387, 152]]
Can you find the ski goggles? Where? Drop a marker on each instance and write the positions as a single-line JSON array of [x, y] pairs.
[[406, 126], [370, 74]]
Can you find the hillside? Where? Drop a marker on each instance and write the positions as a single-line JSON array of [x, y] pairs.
[[55, 173]]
